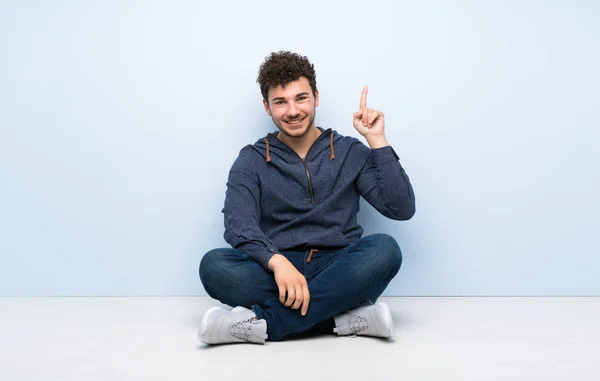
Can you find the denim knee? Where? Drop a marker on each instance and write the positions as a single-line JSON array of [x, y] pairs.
[[209, 270], [388, 252]]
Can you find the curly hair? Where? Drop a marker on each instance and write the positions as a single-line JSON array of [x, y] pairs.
[[283, 67]]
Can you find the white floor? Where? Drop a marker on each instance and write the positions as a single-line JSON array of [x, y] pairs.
[[437, 339]]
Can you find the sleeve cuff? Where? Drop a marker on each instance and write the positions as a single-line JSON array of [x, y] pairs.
[[383, 155]]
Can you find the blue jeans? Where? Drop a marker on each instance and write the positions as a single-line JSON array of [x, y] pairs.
[[338, 280]]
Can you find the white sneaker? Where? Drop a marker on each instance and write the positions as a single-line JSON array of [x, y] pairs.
[[374, 320], [239, 325]]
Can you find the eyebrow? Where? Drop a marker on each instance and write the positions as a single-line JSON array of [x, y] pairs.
[[283, 99]]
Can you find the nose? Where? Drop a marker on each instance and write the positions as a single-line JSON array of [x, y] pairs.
[[292, 109]]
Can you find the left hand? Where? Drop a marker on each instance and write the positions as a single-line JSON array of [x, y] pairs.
[[368, 122]]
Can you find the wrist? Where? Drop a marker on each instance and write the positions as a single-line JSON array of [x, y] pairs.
[[377, 141], [276, 261]]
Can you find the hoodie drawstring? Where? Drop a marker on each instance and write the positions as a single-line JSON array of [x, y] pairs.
[[331, 154], [268, 153]]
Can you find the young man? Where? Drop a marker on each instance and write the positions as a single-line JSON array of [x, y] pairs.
[[299, 262]]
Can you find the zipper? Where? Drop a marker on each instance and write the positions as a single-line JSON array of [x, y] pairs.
[[310, 188]]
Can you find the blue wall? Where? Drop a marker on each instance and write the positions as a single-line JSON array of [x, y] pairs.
[[120, 120]]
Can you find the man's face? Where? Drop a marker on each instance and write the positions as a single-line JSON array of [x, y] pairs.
[[292, 108]]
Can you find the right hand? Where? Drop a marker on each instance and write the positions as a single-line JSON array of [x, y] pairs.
[[293, 289]]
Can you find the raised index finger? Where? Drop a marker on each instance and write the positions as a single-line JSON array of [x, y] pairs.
[[363, 98]]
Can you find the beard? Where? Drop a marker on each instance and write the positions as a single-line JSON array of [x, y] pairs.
[[297, 133]]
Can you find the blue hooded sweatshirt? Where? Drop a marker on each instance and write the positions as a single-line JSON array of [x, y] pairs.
[[276, 201]]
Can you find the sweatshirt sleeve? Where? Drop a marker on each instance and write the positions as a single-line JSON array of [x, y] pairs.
[[242, 213], [385, 185]]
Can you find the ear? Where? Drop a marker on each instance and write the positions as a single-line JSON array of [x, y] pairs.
[[316, 98], [266, 107]]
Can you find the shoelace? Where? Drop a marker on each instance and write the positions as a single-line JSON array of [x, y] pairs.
[[357, 324], [241, 330]]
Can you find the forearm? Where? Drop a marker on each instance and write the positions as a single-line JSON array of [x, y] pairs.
[[252, 241], [386, 186], [395, 191], [242, 216]]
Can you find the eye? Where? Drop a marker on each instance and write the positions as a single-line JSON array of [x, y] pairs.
[[303, 98]]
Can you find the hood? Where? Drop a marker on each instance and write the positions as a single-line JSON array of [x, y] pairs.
[[272, 148]]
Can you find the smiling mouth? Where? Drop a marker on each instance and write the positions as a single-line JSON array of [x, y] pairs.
[[294, 122]]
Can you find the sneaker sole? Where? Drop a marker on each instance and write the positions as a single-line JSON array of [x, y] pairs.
[[204, 323], [387, 318]]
